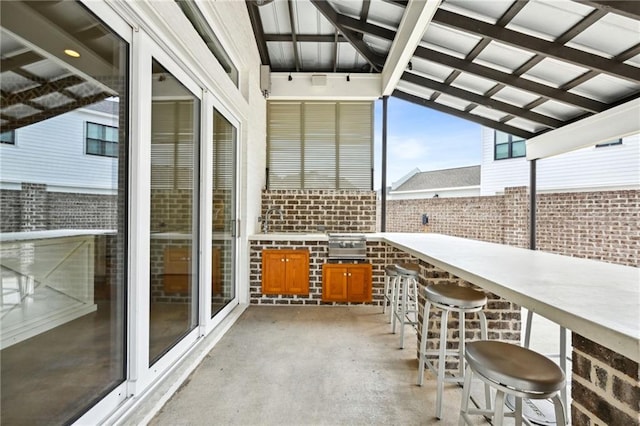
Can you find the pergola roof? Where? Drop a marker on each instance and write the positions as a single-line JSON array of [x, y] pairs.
[[521, 66]]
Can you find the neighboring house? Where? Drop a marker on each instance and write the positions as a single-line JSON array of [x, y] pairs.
[[611, 166], [456, 182], [72, 152]]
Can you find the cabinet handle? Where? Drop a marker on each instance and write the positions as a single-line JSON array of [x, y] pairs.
[[282, 260], [349, 273], [344, 273], [287, 260]]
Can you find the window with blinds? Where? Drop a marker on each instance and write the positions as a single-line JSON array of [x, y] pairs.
[[172, 143], [320, 145]]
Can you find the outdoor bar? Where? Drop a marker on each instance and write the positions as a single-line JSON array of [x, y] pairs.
[[604, 319]]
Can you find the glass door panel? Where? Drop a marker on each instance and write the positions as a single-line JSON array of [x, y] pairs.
[[224, 213], [174, 206], [63, 170]]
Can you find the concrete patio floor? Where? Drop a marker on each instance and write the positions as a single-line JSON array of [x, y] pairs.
[[323, 365]]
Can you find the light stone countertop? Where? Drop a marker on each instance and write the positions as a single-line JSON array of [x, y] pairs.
[[598, 300]]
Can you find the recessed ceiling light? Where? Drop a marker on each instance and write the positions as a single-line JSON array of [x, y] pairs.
[[72, 53]]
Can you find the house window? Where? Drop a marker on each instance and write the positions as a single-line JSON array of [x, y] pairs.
[[8, 137], [508, 146], [610, 143], [320, 145], [102, 140]]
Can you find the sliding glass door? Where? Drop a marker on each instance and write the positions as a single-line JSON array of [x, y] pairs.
[[175, 129], [224, 213]]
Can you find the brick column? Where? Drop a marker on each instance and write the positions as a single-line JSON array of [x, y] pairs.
[[605, 386]]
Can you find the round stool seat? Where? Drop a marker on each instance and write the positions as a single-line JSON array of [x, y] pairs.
[[391, 270], [455, 295], [514, 366], [412, 269]]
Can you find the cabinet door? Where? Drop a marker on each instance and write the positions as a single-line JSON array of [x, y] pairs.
[[297, 272], [359, 283], [273, 272], [334, 283]]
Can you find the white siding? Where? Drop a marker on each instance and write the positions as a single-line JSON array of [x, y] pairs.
[[591, 168], [442, 193], [52, 152]]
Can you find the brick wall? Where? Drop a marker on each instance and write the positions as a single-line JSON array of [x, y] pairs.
[[599, 225], [310, 210], [33, 208], [595, 225], [605, 386], [10, 210]]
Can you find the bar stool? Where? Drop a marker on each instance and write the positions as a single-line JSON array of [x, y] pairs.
[[390, 278], [542, 411], [449, 298], [405, 306], [511, 370]]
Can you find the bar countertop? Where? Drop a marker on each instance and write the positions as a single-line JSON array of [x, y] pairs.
[[598, 300]]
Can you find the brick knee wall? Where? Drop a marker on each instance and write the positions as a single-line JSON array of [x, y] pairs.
[[605, 386]]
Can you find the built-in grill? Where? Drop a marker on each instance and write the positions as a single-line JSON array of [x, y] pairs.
[[347, 247]]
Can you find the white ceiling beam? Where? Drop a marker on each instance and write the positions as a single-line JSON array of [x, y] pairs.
[[612, 124], [414, 23]]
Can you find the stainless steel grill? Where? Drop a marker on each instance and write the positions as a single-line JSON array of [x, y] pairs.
[[347, 247]]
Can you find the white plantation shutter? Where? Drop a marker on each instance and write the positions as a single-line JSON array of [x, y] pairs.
[[284, 155], [355, 133], [223, 159], [320, 145], [172, 142]]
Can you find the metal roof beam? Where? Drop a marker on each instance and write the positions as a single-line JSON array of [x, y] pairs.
[[537, 45], [360, 46], [258, 32], [628, 8], [294, 42], [511, 80], [39, 91], [305, 38], [482, 100], [15, 123], [350, 23], [20, 60], [461, 114]]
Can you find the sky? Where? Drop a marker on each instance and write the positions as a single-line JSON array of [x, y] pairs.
[[423, 138]]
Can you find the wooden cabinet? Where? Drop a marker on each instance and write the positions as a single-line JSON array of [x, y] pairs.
[[285, 272], [342, 282], [177, 272], [177, 264]]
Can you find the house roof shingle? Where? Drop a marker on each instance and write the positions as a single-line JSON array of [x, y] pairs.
[[438, 179]]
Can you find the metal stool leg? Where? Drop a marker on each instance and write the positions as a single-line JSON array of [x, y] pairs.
[[441, 362], [422, 355], [562, 357]]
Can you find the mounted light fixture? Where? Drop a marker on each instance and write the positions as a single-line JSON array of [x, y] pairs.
[[72, 53]]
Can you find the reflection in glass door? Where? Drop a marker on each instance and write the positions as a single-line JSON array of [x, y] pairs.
[[63, 171], [224, 213], [174, 207]]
